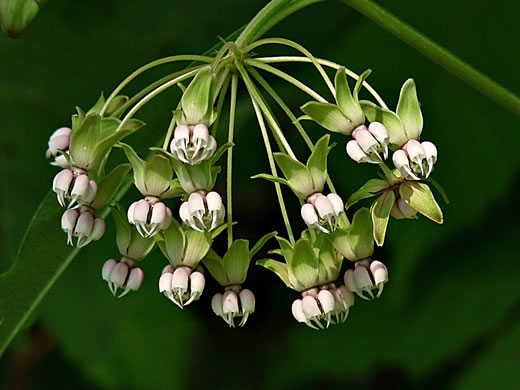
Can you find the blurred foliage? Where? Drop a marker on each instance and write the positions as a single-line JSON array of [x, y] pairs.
[[450, 315]]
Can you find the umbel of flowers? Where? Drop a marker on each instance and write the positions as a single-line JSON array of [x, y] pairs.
[[177, 208]]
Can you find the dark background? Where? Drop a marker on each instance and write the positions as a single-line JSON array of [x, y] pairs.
[[448, 318]]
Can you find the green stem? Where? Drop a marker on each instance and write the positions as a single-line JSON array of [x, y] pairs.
[[148, 66], [169, 133], [232, 110], [269, 151], [437, 54], [330, 64], [220, 103]]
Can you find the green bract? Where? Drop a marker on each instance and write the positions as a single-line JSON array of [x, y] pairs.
[[196, 102], [109, 185], [184, 246], [15, 15], [306, 265], [129, 242], [346, 114], [304, 180], [356, 242], [406, 123], [153, 177], [232, 269], [93, 137]]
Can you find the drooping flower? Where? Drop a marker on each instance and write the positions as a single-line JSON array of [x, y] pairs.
[[59, 141], [203, 211], [149, 215], [182, 285], [322, 212], [122, 275], [193, 144], [415, 160], [83, 225], [369, 144], [74, 185], [235, 302], [367, 275]]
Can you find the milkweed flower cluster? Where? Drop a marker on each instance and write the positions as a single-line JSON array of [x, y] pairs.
[[177, 207]]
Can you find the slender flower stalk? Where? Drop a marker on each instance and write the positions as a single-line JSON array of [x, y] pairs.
[[229, 179]]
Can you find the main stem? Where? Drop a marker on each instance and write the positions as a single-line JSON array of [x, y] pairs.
[[232, 110]]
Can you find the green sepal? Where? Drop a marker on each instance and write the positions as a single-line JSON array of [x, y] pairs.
[[409, 110], [260, 243], [77, 119], [138, 166], [84, 140], [285, 247], [196, 99], [330, 263], [214, 264], [317, 163], [116, 103], [356, 242], [420, 197], [278, 268], [123, 230], [297, 174], [380, 211], [328, 116], [98, 106], [109, 185], [174, 243], [303, 266], [371, 188], [236, 261], [197, 246], [270, 178], [359, 84], [129, 242], [347, 103], [174, 190], [158, 175], [15, 15], [392, 122]]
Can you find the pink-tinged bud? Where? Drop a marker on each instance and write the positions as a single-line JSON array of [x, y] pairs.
[[379, 131], [98, 229], [61, 184], [336, 202], [366, 141], [297, 311], [216, 304], [84, 224], [165, 282], [107, 269], [310, 307], [323, 206], [62, 131], [140, 211], [309, 214], [326, 301], [68, 220], [247, 301], [214, 201], [355, 152], [349, 280], [230, 303], [135, 279], [59, 140], [119, 274], [196, 203]]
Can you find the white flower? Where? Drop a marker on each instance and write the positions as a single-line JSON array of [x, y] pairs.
[[74, 185], [202, 211], [367, 275], [369, 143], [122, 275], [59, 141], [83, 225], [182, 285], [149, 216], [235, 302], [415, 160], [316, 305], [322, 212], [192, 144]]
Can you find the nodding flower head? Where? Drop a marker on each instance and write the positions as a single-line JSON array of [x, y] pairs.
[[83, 225], [315, 306], [322, 212], [235, 302], [203, 211], [74, 185], [59, 141], [122, 275], [402, 210], [182, 285], [415, 160], [192, 144], [149, 215], [367, 275], [369, 144]]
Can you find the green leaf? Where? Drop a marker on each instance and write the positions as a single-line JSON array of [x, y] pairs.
[[115, 104], [369, 189], [278, 268], [236, 261], [197, 246], [271, 178], [260, 243], [346, 102], [138, 166], [84, 140], [107, 127], [174, 189], [297, 175], [157, 175], [109, 185], [420, 197], [409, 110], [328, 116], [393, 124], [357, 242], [174, 243], [123, 230], [303, 266], [285, 248], [330, 264], [43, 239], [195, 100], [317, 163], [213, 262], [380, 214], [15, 16]]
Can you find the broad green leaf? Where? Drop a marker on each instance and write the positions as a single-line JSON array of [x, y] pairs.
[[393, 124], [380, 214], [260, 243], [303, 266], [236, 261], [328, 116], [138, 166], [110, 184], [317, 163], [157, 175], [297, 175], [174, 243], [420, 197], [346, 102], [409, 110], [278, 268], [213, 262], [369, 189], [195, 100], [271, 178]]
